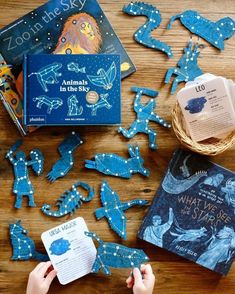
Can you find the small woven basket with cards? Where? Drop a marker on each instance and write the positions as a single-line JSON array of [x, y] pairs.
[[211, 147]]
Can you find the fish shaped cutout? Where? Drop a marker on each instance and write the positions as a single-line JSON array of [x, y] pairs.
[[113, 209], [116, 256], [104, 78]]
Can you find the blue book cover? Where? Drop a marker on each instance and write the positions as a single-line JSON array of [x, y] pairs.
[[193, 212], [57, 27], [72, 89]]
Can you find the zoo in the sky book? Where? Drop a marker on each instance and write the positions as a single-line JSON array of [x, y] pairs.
[[57, 27], [78, 89], [193, 212]]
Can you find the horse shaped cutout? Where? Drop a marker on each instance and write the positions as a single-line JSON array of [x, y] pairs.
[[187, 68]]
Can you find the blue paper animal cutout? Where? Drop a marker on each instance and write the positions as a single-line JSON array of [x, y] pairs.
[[113, 209], [73, 106], [22, 184], [103, 102], [187, 68], [114, 165], [143, 34], [145, 114], [115, 255], [66, 162], [213, 32], [104, 78], [23, 246], [72, 66], [195, 105], [59, 247], [51, 103], [48, 75], [70, 201]]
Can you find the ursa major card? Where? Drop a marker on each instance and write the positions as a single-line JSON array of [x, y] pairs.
[[193, 213], [57, 27]]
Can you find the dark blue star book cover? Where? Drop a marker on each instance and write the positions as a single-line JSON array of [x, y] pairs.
[[74, 89], [57, 27], [193, 212]]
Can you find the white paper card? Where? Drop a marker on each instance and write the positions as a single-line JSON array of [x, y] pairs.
[[71, 252], [207, 108]]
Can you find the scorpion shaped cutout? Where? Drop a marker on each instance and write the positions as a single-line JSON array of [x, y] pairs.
[[145, 114], [69, 201], [213, 32], [143, 34], [23, 246], [114, 165], [113, 209], [22, 184], [66, 162], [48, 75], [187, 68], [116, 256]]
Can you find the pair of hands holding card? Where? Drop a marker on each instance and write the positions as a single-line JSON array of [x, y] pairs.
[[42, 276]]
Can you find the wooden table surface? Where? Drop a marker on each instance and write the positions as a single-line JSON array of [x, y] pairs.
[[174, 274]]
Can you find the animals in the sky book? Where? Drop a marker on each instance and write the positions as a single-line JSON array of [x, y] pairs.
[[79, 89], [193, 212], [57, 27]]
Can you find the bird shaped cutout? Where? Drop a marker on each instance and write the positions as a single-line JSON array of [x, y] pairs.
[[104, 79], [113, 209]]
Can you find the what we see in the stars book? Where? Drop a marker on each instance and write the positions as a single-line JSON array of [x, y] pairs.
[[193, 212], [79, 89], [57, 27]]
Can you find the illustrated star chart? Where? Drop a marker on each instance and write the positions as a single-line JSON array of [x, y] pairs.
[[66, 162], [187, 68], [70, 201], [22, 245], [213, 32], [145, 114], [115, 165], [143, 34], [22, 184], [115, 255], [113, 209]]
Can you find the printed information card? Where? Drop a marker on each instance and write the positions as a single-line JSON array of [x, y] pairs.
[[207, 107], [71, 252]]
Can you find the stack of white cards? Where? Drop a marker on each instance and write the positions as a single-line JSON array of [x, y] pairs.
[[208, 107]]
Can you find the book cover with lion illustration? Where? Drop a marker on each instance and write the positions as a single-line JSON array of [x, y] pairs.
[[57, 27]]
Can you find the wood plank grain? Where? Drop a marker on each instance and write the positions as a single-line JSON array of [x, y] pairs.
[[175, 275]]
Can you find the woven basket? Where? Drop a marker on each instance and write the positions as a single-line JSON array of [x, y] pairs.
[[210, 147]]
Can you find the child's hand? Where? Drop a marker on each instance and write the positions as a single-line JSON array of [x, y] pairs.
[[40, 279], [142, 282]]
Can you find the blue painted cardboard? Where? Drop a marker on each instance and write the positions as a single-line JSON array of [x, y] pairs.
[[72, 90], [193, 214]]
